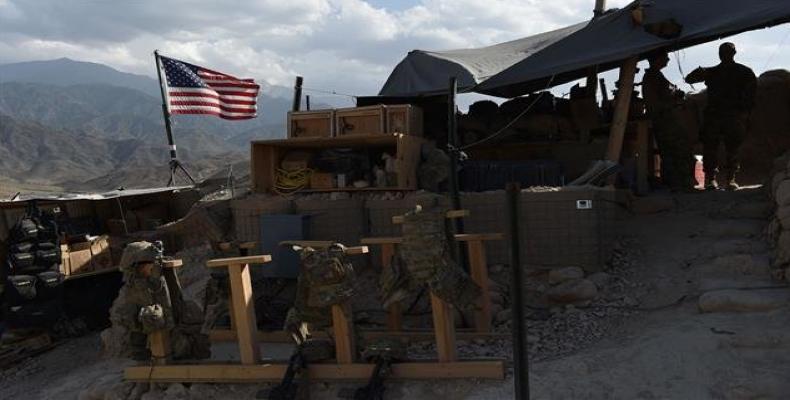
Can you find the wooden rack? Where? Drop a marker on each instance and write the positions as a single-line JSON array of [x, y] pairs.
[[346, 367]]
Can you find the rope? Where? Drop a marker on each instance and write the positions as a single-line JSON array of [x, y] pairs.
[[681, 71], [289, 182], [506, 127], [332, 92]]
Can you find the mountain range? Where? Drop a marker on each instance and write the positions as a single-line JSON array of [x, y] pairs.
[[76, 125]]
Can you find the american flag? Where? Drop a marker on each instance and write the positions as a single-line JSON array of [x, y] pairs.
[[191, 89]]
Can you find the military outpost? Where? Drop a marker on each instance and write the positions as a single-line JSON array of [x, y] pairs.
[[559, 247]]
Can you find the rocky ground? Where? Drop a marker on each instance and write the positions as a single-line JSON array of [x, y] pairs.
[[687, 310]]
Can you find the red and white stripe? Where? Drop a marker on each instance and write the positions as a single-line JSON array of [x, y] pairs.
[[227, 97]]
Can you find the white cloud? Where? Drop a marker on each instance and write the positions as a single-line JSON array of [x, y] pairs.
[[345, 45]]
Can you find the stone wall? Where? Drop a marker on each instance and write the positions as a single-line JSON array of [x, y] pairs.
[[779, 228]]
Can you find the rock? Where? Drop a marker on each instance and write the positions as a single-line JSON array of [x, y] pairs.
[[503, 316], [560, 275], [782, 193], [652, 204], [734, 228], [496, 297], [176, 391], [600, 279], [573, 291], [745, 264], [741, 301]]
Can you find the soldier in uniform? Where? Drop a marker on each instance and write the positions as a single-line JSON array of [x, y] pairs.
[[731, 92], [147, 306], [662, 99]]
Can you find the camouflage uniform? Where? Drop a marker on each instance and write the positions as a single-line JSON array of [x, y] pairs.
[[425, 258], [147, 305], [326, 278], [731, 93], [662, 101]]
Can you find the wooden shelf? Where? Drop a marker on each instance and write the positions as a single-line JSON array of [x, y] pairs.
[[266, 156]]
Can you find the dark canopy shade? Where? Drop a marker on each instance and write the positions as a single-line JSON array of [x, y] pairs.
[[553, 58]]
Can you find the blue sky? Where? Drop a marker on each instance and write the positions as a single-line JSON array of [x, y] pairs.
[[349, 46]]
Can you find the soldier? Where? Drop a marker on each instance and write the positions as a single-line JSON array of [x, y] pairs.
[[147, 306], [662, 99], [731, 92]]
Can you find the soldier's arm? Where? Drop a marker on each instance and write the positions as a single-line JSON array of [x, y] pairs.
[[697, 76]]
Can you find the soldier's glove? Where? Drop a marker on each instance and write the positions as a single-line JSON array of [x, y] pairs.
[[152, 318]]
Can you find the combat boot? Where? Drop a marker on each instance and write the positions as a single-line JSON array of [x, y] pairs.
[[710, 184]]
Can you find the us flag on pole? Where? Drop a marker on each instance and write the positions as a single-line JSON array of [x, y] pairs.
[[191, 89]]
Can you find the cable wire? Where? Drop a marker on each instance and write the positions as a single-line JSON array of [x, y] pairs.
[[509, 124]]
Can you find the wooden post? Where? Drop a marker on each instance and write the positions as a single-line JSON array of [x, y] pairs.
[[643, 160], [159, 344], [342, 325], [244, 312], [394, 311], [622, 107], [479, 271], [444, 329]]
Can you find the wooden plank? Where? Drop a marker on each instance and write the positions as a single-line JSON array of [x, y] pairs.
[[248, 245], [398, 219], [444, 328], [479, 272], [622, 108], [394, 311], [643, 157], [234, 373], [244, 312], [229, 335], [226, 262], [339, 141], [343, 327], [382, 240], [159, 344], [173, 263]]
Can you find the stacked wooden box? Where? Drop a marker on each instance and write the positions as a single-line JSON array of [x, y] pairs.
[[379, 119]]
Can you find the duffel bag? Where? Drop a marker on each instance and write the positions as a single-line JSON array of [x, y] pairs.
[[49, 285], [46, 258], [22, 261], [25, 229], [23, 247], [38, 314], [20, 289]]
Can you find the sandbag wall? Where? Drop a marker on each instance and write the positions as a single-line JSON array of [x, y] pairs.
[[554, 232]]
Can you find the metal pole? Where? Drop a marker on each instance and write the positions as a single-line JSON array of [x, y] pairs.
[[519, 323], [452, 145], [165, 112], [174, 163], [600, 8], [307, 102], [297, 104]]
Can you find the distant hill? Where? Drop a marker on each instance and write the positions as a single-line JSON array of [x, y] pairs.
[[82, 125], [67, 72]]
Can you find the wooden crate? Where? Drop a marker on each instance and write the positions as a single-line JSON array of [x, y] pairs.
[[266, 156], [361, 120], [405, 119], [316, 123]]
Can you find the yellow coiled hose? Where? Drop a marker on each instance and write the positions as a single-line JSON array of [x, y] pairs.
[[288, 182]]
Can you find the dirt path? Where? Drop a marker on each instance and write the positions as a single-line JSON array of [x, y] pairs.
[[667, 350]]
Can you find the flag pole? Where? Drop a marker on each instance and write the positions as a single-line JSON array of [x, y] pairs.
[[175, 164]]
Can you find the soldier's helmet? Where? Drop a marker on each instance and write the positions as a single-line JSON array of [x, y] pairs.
[[138, 252]]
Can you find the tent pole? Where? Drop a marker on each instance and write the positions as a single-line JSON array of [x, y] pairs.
[[625, 89]]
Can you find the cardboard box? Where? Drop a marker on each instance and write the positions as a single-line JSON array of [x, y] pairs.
[[100, 253], [321, 180], [80, 261]]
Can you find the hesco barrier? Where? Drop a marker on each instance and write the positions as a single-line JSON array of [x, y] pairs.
[[571, 227]]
